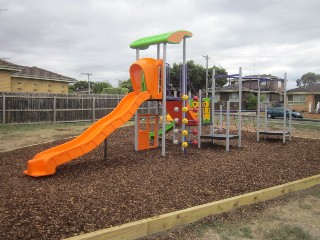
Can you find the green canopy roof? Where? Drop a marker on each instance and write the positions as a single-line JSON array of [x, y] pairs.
[[170, 37]]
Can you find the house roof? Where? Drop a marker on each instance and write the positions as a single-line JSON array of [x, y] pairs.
[[4, 65], [33, 72], [38, 73], [311, 89]]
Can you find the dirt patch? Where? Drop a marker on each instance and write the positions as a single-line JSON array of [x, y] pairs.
[[16, 136], [89, 193]]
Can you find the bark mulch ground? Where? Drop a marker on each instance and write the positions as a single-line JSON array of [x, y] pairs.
[[90, 193]]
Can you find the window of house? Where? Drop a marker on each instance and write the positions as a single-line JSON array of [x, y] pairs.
[[263, 83], [297, 99]]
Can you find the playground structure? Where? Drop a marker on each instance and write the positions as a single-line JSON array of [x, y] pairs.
[[220, 136], [148, 78], [286, 130], [177, 108], [149, 81]]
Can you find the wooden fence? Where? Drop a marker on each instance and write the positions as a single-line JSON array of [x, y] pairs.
[[54, 108]]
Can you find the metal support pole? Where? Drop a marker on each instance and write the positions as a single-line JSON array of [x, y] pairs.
[[258, 113], [213, 100], [158, 51], [199, 119], [184, 88], [284, 107], [240, 106], [228, 127], [220, 120], [136, 127], [164, 100]]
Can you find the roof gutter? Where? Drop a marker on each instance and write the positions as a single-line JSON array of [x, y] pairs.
[[44, 78], [11, 69]]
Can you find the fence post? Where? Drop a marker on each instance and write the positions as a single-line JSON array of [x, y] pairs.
[[54, 109], [3, 109], [93, 108]]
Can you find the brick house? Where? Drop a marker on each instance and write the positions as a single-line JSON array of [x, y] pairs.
[[16, 78], [302, 98], [271, 89]]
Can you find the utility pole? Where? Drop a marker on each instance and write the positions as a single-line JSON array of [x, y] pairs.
[[207, 60], [88, 74]]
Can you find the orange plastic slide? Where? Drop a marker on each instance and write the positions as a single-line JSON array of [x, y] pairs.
[[45, 163]]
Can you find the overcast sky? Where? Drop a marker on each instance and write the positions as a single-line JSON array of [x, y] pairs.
[[70, 37]]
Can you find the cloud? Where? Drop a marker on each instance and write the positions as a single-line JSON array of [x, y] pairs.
[[70, 37]]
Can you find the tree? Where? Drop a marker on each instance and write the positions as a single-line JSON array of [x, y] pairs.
[[81, 85], [251, 102], [298, 82], [99, 86], [126, 84], [220, 82], [71, 88], [112, 90], [309, 79], [196, 75]]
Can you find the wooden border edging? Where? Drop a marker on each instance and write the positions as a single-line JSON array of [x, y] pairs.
[[167, 221]]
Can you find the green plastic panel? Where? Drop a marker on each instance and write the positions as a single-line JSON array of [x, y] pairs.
[[170, 37]]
